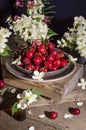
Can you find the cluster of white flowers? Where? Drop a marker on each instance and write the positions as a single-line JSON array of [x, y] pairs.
[[31, 27], [75, 38], [37, 8], [4, 34], [25, 99]]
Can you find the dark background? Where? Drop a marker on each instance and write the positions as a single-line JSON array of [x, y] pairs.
[[65, 10]]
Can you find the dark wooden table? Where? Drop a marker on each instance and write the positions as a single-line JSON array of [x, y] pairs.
[[41, 108]]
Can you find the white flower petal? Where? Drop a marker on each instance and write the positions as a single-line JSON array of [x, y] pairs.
[[13, 90], [83, 87], [31, 128], [42, 116], [19, 96], [36, 73], [68, 116], [79, 103], [29, 112], [82, 80], [42, 74], [17, 60], [79, 84]]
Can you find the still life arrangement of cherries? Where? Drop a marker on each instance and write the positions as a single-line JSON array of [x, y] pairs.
[[43, 58]]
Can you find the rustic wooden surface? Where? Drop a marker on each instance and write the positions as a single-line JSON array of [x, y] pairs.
[[76, 123], [55, 89], [42, 107]]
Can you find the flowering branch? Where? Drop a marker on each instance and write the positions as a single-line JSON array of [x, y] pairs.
[[25, 99], [75, 38], [33, 26]]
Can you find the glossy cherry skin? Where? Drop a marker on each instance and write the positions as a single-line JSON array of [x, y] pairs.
[[53, 115], [29, 54], [76, 111], [51, 46], [2, 84], [37, 60]]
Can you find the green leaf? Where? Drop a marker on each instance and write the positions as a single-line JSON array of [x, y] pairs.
[[14, 108], [6, 50], [46, 3], [51, 33], [38, 93], [50, 12], [49, 7], [37, 19], [27, 11]]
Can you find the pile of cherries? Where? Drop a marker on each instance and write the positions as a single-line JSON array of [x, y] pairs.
[[43, 57]]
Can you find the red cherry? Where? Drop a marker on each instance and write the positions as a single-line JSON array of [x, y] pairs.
[[30, 66], [32, 49], [54, 52], [26, 60], [29, 54], [50, 58], [37, 54], [61, 54], [58, 56], [43, 58], [76, 111], [36, 67], [63, 62], [51, 46], [42, 49], [54, 67], [48, 64], [53, 115], [43, 69], [37, 60], [57, 62], [21, 64], [2, 84]]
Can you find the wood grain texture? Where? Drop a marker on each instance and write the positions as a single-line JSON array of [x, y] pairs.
[[54, 90], [76, 123]]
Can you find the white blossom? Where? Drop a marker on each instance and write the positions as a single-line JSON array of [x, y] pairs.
[[38, 75], [25, 99], [29, 112], [31, 128], [72, 59], [82, 83], [68, 116], [75, 37], [13, 90], [31, 27], [79, 103], [42, 116], [4, 34]]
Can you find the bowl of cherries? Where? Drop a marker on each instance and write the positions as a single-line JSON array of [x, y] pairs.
[[43, 58]]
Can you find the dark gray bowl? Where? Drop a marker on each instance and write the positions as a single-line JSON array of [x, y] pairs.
[[49, 73]]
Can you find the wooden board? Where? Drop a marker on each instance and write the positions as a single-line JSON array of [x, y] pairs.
[[56, 90], [8, 123], [75, 123]]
